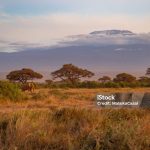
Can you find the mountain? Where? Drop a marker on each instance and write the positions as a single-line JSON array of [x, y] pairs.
[[108, 51], [113, 32]]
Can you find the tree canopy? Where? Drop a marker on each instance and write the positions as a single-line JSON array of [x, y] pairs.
[[148, 71], [23, 75], [124, 77], [70, 73], [144, 79], [104, 79]]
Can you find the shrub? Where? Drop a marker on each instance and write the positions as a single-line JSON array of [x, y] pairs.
[[111, 85], [10, 91], [89, 84], [95, 84]]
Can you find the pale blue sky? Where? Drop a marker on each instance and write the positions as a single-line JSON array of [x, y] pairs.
[[48, 21], [38, 7]]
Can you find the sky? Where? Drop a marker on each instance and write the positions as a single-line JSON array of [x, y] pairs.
[[45, 22]]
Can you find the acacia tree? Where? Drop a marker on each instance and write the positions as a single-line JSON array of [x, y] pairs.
[[148, 72], [104, 79], [124, 77], [70, 73], [23, 75], [144, 79]]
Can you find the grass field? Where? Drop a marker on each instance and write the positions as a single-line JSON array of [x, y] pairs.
[[47, 98], [67, 119]]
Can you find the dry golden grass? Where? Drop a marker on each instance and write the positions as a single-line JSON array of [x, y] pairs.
[[46, 98], [66, 119], [75, 129]]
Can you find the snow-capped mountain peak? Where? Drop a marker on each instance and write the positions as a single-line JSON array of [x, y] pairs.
[[113, 32]]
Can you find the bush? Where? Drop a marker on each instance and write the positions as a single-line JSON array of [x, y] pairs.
[[89, 84], [96, 84], [111, 85], [10, 91]]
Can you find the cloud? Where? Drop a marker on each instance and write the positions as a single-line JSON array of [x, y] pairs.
[[51, 28], [103, 39], [7, 46]]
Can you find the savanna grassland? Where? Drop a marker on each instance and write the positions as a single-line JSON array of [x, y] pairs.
[[67, 119], [75, 128], [45, 98]]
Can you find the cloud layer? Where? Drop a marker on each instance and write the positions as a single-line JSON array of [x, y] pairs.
[[49, 29], [47, 22]]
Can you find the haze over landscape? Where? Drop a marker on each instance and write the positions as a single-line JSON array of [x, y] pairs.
[[106, 37]]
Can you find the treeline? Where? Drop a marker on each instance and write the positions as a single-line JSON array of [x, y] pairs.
[[97, 84], [72, 76]]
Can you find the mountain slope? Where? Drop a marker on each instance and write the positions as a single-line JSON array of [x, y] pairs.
[[115, 51]]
